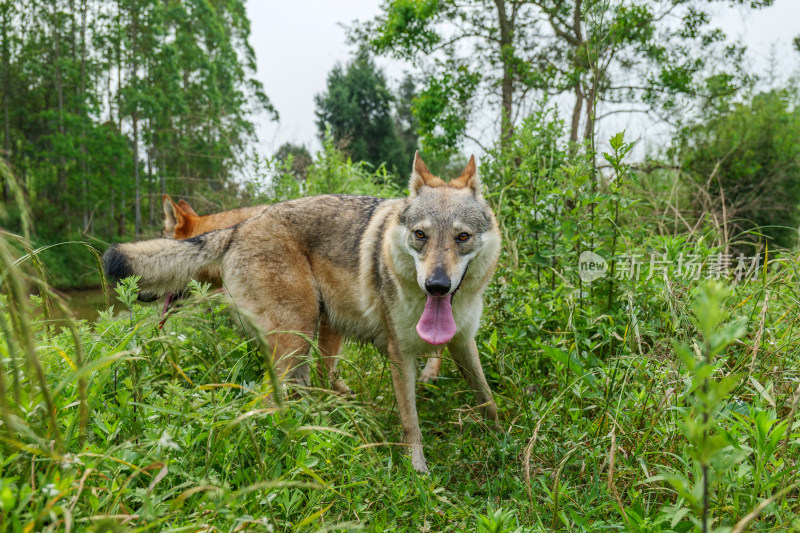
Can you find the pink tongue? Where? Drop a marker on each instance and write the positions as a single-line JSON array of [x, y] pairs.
[[436, 325], [167, 300]]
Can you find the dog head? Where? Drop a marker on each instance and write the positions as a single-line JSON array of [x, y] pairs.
[[179, 219], [446, 225]]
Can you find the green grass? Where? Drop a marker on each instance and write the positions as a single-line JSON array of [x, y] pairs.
[[659, 404], [180, 436]]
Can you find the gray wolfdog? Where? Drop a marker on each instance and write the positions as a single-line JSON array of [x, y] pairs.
[[407, 275], [182, 222]]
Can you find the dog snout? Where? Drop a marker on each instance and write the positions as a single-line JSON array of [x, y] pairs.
[[438, 284]]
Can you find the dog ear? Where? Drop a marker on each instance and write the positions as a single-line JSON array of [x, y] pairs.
[[421, 177], [469, 179], [184, 205], [174, 217], [170, 218]]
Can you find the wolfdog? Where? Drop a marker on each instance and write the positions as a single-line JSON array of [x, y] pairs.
[[407, 275], [181, 221]]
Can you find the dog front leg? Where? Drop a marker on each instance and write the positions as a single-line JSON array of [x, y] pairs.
[[465, 354], [404, 374]]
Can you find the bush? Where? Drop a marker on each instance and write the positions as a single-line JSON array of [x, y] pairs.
[[743, 165]]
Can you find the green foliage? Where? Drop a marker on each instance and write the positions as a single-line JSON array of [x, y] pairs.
[[743, 163], [513, 53], [105, 103], [298, 158], [645, 400], [333, 172], [606, 424], [442, 109], [713, 453], [357, 110], [406, 122]]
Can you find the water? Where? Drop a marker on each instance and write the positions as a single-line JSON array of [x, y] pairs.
[[87, 303]]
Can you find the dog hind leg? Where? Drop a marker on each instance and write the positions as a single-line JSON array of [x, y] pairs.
[[330, 345], [283, 304], [432, 368], [465, 354]]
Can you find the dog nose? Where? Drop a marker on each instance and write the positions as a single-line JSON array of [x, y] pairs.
[[438, 284]]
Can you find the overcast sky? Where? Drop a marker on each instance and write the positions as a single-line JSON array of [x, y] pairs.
[[298, 42]]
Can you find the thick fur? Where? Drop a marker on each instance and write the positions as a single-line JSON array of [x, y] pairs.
[[166, 265], [182, 222], [291, 266]]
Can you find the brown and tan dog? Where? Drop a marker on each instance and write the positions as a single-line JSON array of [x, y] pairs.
[[407, 275], [181, 221]]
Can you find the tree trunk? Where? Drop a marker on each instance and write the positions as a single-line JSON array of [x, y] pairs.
[[138, 201], [62, 177], [82, 99], [576, 114], [591, 98], [6, 95], [577, 32], [134, 79], [507, 85]]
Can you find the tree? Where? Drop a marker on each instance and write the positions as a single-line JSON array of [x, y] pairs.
[[406, 123], [511, 51], [743, 164], [300, 159], [102, 102], [357, 109]]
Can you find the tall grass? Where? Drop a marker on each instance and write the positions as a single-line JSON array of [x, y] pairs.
[[657, 404]]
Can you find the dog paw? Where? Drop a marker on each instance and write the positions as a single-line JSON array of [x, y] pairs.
[[341, 388], [431, 371], [418, 462], [427, 377]]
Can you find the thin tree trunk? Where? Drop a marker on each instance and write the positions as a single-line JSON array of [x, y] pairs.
[[82, 99], [62, 177], [138, 200], [588, 132], [576, 114], [577, 17], [6, 95], [134, 79], [123, 191], [507, 85]]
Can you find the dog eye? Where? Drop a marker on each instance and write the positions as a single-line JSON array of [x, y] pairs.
[[419, 234], [463, 237]]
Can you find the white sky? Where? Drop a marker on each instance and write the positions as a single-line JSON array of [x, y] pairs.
[[297, 42]]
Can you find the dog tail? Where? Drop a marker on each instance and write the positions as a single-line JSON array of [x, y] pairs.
[[166, 265]]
